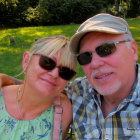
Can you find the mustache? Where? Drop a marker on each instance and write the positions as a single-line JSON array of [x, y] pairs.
[[100, 70]]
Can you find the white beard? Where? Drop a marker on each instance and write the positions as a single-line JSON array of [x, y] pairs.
[[109, 90]]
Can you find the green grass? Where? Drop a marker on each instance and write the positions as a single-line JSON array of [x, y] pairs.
[[11, 54], [134, 25]]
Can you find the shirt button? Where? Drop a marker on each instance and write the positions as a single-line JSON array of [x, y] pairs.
[[107, 137]]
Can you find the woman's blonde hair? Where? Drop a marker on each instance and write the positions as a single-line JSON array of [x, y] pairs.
[[51, 45]]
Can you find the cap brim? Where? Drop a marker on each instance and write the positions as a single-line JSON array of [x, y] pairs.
[[74, 42]]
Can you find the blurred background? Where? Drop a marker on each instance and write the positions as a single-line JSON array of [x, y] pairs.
[[24, 21]]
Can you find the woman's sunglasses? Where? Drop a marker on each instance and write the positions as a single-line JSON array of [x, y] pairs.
[[49, 64], [103, 50]]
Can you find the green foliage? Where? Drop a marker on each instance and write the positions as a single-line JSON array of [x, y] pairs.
[[12, 12], [15, 13], [32, 16], [129, 8], [121, 10], [133, 8], [67, 11], [47, 12], [8, 2], [6, 8]]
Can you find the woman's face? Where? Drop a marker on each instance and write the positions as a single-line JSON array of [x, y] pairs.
[[49, 83]]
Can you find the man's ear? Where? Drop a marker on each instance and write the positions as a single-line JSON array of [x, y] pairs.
[[25, 60], [134, 48]]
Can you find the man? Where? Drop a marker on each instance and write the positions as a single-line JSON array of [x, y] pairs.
[[106, 103]]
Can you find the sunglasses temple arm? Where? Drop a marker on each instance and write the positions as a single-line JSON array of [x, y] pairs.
[[122, 41]]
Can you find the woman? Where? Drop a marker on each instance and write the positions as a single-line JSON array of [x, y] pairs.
[[27, 110]]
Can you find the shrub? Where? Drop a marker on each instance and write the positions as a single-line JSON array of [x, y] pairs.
[[67, 11], [32, 16]]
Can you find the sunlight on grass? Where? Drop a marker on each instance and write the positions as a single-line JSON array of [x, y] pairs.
[[130, 27], [3, 35], [25, 36], [28, 40], [138, 37], [9, 50]]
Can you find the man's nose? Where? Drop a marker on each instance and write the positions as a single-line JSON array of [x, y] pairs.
[[96, 61]]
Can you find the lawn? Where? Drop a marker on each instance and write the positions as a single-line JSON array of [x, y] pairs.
[[11, 54]]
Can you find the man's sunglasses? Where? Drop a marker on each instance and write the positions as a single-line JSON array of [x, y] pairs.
[[103, 50], [49, 64]]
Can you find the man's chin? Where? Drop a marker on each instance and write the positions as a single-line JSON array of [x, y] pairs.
[[108, 90]]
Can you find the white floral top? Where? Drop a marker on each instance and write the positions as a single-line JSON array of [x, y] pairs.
[[40, 128]]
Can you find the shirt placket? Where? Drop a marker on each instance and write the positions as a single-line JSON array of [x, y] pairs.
[[107, 129]]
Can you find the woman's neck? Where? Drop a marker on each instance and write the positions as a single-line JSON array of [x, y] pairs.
[[32, 103]]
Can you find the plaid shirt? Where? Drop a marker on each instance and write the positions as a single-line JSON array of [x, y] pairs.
[[122, 123]]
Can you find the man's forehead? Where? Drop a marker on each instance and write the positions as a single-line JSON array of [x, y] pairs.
[[98, 38], [99, 35]]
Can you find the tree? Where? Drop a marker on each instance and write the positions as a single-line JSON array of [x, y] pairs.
[[68, 11], [129, 8], [6, 11], [133, 8], [13, 12]]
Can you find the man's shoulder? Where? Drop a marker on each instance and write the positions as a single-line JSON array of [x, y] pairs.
[[80, 83], [79, 87]]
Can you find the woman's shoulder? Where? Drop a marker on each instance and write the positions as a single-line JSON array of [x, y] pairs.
[[11, 88], [9, 93], [66, 105], [67, 113], [64, 100]]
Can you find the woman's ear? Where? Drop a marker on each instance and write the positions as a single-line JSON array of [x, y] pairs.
[[25, 60]]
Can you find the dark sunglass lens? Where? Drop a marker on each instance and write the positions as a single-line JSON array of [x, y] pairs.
[[66, 73], [47, 63], [106, 49], [84, 58]]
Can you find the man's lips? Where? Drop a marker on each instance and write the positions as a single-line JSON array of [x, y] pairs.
[[101, 76]]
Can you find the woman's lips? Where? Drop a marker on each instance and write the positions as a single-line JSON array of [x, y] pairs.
[[48, 81]]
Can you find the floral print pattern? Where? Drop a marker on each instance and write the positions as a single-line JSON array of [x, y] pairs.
[[40, 128]]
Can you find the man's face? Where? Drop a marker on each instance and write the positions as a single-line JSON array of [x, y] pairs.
[[113, 73]]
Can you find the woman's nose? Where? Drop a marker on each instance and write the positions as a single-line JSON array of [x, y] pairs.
[[55, 72]]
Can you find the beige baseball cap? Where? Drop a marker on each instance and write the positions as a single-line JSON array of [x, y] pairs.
[[99, 23]]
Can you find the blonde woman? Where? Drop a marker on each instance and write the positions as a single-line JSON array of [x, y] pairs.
[[27, 110]]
